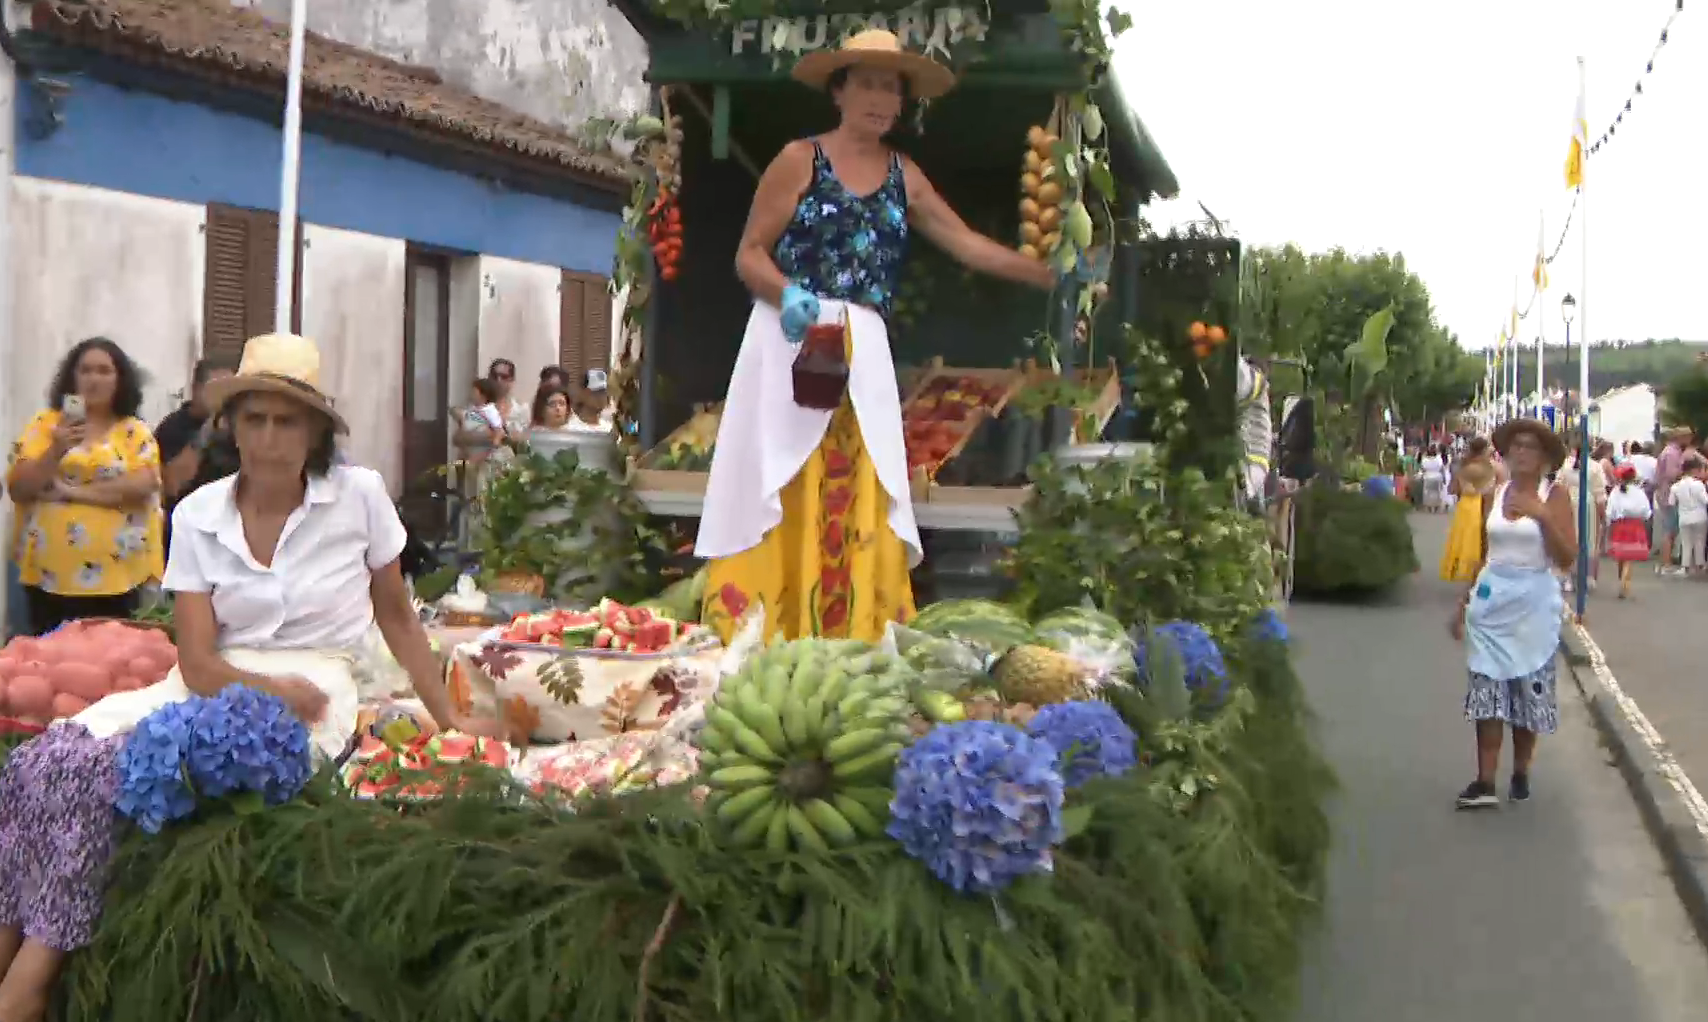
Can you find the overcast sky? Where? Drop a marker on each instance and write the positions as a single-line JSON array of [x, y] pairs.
[[1440, 130]]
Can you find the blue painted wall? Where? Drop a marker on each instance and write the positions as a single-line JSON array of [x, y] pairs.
[[146, 144]]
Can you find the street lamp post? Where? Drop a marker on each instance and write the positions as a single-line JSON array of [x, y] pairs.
[[1568, 311]]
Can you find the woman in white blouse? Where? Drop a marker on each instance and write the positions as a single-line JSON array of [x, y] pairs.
[[278, 571]]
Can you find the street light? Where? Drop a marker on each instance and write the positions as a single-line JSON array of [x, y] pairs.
[[1568, 311]]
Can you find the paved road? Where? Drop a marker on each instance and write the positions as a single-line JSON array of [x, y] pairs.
[[1556, 911], [1654, 644]]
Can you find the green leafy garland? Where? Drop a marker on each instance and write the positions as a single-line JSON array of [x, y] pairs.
[[1170, 905]]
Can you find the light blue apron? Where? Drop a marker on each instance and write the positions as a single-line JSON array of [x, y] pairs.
[[1512, 625]]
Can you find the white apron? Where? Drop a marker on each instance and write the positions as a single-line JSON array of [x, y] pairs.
[[328, 670], [764, 438]]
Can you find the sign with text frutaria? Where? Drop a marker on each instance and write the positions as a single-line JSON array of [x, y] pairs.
[[932, 31]]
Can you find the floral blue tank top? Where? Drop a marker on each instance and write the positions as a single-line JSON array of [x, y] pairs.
[[846, 246]]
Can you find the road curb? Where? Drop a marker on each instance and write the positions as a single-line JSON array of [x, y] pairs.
[[1662, 806]]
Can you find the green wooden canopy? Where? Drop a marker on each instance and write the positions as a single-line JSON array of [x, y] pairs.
[[1011, 55]]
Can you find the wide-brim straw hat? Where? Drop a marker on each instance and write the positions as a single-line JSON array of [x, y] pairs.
[[1552, 445], [282, 364], [879, 48]]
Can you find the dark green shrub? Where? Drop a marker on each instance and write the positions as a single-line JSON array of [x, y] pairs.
[[1348, 544]]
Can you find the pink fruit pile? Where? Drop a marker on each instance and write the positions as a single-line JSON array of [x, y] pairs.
[[61, 674]]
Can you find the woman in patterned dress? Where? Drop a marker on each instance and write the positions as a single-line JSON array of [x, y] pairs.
[[808, 512], [1509, 618], [86, 476]]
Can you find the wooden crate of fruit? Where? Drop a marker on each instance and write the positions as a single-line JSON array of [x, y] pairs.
[[683, 462], [1101, 391], [946, 407]]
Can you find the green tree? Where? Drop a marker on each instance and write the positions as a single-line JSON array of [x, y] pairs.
[[1316, 308], [1686, 399]]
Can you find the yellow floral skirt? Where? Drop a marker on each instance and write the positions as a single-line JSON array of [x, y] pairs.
[[833, 567], [1464, 553]]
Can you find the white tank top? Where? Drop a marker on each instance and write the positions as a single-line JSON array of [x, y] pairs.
[[1516, 544]]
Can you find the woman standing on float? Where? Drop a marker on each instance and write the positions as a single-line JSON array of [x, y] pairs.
[[807, 512]]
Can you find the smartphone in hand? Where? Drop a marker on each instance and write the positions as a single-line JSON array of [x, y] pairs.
[[72, 408]]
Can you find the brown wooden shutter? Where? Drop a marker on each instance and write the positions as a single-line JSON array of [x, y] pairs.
[[239, 289], [598, 320], [584, 327], [225, 297], [572, 311]]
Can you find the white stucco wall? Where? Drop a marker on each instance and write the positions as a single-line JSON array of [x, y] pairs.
[[352, 305], [519, 315], [562, 61], [89, 261], [1628, 413]]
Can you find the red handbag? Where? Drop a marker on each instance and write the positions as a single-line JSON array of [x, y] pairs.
[[821, 366]]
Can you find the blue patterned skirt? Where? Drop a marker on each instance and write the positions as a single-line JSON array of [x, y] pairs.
[[1526, 702]]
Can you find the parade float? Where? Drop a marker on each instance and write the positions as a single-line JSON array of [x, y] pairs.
[[1097, 800]]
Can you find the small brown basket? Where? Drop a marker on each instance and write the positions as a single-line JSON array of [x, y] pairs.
[[821, 366], [519, 583], [465, 619]]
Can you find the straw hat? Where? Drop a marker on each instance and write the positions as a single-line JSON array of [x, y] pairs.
[[282, 364], [876, 47], [1552, 446]]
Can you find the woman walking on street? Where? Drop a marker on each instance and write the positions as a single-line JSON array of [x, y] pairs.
[[1628, 514], [1434, 470], [1473, 481], [1509, 619]]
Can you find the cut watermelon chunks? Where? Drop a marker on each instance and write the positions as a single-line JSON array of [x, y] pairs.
[[417, 769], [609, 625]]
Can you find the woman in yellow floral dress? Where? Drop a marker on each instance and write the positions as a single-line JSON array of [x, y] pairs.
[[86, 476], [808, 512]]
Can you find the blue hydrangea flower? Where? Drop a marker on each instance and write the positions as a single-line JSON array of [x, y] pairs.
[[979, 803], [1267, 626], [154, 787], [1206, 672], [248, 740], [1090, 739]]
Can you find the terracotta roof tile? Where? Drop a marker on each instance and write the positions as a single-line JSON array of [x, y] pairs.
[[217, 36]]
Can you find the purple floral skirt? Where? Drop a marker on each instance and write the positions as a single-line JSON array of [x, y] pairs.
[[58, 831]]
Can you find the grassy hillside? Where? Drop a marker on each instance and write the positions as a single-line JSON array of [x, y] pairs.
[[1614, 363]]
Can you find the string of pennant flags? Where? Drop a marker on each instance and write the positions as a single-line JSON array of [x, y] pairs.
[[1581, 149], [1637, 89]]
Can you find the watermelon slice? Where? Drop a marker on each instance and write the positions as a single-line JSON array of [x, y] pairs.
[[453, 748]]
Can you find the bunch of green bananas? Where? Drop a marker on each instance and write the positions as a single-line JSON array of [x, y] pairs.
[[800, 745]]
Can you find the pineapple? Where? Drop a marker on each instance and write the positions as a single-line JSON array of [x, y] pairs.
[[1038, 676]]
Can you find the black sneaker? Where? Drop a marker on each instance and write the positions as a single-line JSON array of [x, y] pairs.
[[1478, 795], [1519, 789]]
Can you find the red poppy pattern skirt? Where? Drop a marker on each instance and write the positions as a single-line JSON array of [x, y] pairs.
[[833, 567]]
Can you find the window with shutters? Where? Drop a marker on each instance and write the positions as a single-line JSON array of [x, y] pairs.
[[240, 282], [584, 323]]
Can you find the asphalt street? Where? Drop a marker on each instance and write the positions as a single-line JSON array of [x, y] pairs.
[[1558, 909]]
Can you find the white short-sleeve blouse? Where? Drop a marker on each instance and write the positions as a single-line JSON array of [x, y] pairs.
[[315, 593]]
